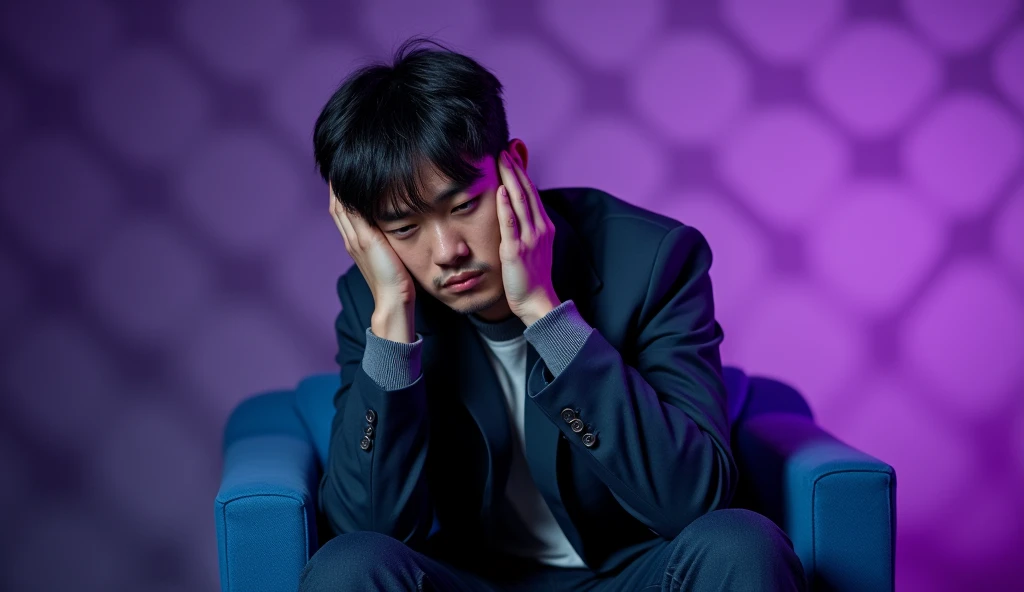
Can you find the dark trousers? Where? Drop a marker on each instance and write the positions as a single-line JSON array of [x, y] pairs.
[[723, 550]]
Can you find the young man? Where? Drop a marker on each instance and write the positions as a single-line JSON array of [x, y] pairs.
[[531, 394]]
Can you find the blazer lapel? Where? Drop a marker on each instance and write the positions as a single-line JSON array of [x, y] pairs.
[[478, 388], [455, 355]]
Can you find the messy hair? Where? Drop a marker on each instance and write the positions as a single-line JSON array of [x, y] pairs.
[[387, 123]]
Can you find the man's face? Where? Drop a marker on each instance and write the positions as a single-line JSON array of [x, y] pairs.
[[460, 234]]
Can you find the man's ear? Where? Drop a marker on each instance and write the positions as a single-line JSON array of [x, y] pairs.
[[517, 148]]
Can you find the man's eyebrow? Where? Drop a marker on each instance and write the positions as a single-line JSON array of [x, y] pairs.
[[446, 194]]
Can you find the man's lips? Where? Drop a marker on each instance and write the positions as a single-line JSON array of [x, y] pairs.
[[455, 279]]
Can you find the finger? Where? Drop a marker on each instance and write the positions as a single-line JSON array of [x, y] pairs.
[[334, 208], [345, 219], [506, 217], [538, 214], [516, 196]]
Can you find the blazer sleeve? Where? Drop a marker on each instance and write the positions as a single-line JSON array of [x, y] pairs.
[[658, 432], [374, 478]]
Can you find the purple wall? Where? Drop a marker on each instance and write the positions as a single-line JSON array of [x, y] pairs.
[[165, 248]]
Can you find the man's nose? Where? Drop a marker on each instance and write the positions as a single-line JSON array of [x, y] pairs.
[[449, 247]]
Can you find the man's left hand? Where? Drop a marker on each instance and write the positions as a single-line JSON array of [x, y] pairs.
[[527, 237]]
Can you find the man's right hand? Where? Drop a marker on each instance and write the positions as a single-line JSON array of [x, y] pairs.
[[394, 293]]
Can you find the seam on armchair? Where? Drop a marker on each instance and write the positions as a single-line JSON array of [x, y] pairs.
[[227, 564], [224, 521], [248, 495], [814, 514]]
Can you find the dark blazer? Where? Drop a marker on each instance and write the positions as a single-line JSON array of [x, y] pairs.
[[647, 383]]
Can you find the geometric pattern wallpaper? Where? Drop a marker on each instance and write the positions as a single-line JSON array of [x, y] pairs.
[[857, 166]]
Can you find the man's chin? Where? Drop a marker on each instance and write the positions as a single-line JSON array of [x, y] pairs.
[[468, 306]]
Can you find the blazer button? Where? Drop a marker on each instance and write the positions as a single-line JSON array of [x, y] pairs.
[[568, 415], [365, 443], [368, 430], [371, 416], [589, 440], [576, 425]]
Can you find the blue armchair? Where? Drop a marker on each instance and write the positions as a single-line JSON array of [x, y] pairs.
[[837, 504]]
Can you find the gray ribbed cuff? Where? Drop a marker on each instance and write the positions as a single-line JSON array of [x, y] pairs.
[[391, 364], [559, 335]]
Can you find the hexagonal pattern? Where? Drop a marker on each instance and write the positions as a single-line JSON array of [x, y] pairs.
[[297, 92], [1008, 63], [306, 267], [611, 154], [783, 31], [542, 94], [587, 26], [959, 25], [942, 155], [932, 459], [873, 77], [966, 339], [792, 333], [58, 197], [91, 553], [60, 383], [147, 105], [875, 246], [784, 181], [240, 39], [11, 107], [148, 282], [389, 22], [691, 87], [740, 250], [979, 531], [1017, 440], [240, 349], [60, 39], [877, 146], [13, 296], [234, 176], [160, 448], [1009, 228], [18, 482]]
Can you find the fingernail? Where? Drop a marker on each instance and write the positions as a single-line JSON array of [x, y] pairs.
[[504, 157]]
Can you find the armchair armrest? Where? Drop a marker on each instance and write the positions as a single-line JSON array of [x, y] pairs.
[[265, 510], [837, 504]]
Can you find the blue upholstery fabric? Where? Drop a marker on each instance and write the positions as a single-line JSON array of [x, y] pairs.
[[836, 504], [265, 511], [314, 400]]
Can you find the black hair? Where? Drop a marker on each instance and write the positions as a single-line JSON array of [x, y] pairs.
[[386, 122]]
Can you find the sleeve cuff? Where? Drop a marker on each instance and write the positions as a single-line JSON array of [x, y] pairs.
[[558, 336], [391, 364]]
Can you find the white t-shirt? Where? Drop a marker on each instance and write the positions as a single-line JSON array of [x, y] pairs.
[[508, 358]]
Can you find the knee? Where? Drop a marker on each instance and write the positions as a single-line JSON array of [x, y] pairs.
[[351, 560], [740, 542]]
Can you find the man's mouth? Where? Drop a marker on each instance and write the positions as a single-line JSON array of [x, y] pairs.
[[464, 281]]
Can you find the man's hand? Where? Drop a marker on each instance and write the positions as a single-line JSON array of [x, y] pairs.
[[527, 238], [394, 293]]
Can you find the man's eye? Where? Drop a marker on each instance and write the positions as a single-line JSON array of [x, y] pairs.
[[465, 206], [402, 231]]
